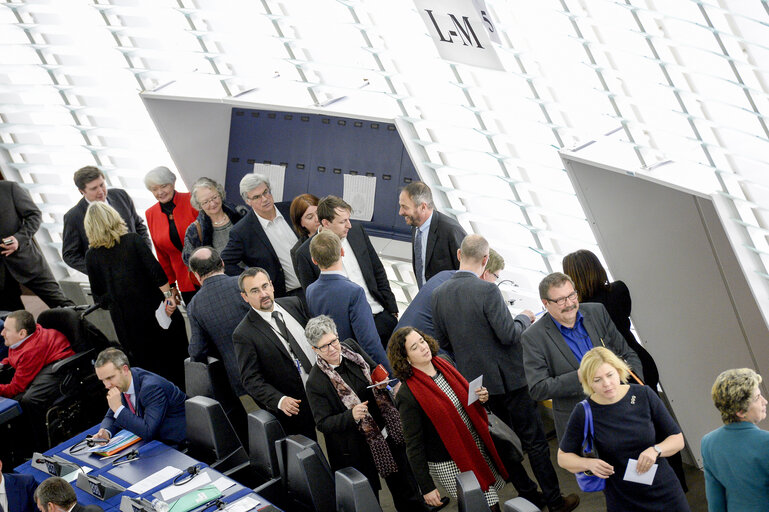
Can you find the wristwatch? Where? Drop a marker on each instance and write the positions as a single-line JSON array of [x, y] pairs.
[[657, 449], [168, 294]]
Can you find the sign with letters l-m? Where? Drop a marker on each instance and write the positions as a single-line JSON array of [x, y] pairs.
[[460, 32]]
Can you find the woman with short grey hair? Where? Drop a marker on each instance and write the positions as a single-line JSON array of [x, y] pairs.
[[167, 221], [215, 219]]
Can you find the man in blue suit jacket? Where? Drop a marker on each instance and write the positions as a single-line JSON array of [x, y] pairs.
[[214, 312], [333, 294], [18, 491], [139, 401]]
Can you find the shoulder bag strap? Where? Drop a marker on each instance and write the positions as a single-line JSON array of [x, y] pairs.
[[587, 442]]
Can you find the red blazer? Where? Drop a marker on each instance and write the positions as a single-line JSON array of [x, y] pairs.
[[170, 257], [44, 347]]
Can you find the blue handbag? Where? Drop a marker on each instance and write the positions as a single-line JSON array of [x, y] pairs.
[[587, 481]]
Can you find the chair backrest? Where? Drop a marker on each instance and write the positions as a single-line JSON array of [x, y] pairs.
[[211, 433], [210, 379], [306, 475], [520, 505], [470, 497], [263, 430], [354, 492], [68, 322]]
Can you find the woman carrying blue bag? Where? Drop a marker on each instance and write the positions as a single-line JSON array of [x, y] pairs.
[[626, 420]]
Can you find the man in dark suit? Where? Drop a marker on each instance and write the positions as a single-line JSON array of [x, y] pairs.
[[435, 237], [139, 401], [555, 344], [90, 183], [273, 353], [263, 238], [333, 294], [56, 495], [473, 323], [21, 261], [214, 313], [419, 314], [19, 492], [361, 263]]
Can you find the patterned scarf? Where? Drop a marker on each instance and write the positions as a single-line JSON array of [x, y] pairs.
[[380, 451]]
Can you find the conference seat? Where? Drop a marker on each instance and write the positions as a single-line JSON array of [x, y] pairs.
[[354, 492], [520, 505], [470, 497], [306, 475], [263, 430], [211, 436]]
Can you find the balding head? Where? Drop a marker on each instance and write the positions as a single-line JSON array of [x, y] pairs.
[[473, 254], [205, 262]]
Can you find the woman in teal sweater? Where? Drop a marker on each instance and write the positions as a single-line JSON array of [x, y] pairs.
[[736, 456]]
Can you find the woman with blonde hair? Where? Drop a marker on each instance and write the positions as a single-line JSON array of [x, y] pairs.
[[627, 420], [127, 280]]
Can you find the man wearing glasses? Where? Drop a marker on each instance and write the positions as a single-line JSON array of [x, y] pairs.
[[263, 238], [553, 347]]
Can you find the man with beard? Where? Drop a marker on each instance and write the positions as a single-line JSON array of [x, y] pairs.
[[553, 347]]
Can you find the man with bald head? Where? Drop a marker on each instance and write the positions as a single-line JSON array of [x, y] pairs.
[[472, 322]]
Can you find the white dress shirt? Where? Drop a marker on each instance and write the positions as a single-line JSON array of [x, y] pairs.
[[424, 229], [131, 395], [3, 496], [282, 238], [296, 330], [353, 272]]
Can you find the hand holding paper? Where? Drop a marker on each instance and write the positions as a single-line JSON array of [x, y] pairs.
[[472, 396]]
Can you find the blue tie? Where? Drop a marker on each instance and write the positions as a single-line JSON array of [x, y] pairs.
[[419, 265]]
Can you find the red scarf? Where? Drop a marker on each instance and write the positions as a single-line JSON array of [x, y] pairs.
[[449, 425]]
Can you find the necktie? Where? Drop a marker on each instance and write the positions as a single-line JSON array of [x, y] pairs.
[[128, 401], [419, 265], [296, 350]]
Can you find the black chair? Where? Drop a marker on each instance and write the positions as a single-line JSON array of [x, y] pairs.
[[263, 430], [520, 505], [354, 492], [470, 497], [211, 436], [210, 379], [306, 475]]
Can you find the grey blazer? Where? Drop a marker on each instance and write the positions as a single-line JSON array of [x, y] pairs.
[[473, 324], [20, 217], [551, 367]]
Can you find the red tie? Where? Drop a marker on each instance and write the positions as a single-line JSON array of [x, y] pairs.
[[128, 401]]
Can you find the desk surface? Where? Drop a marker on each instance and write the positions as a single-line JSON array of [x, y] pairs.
[[9, 409]]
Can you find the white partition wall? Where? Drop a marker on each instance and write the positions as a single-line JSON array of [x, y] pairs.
[[698, 306]]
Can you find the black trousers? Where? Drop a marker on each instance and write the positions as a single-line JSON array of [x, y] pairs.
[[44, 285], [385, 324], [519, 411], [40, 395], [402, 484], [302, 423]]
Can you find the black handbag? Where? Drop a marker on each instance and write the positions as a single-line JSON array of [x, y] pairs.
[[505, 441]]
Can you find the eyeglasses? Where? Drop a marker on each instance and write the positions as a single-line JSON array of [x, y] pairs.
[[323, 349], [264, 194], [562, 300], [210, 201]]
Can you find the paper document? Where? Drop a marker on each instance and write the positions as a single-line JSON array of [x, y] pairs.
[[244, 504], [223, 483], [155, 479], [631, 474], [359, 192], [172, 491], [160, 314], [276, 174], [475, 384]]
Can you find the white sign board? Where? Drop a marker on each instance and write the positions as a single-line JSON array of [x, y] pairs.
[[276, 174]]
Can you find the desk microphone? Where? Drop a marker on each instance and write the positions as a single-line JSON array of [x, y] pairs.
[[128, 457]]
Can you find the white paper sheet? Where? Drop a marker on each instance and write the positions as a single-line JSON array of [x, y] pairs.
[[475, 384], [631, 474], [173, 491], [359, 192], [155, 479], [160, 314], [277, 176], [223, 483], [244, 504]]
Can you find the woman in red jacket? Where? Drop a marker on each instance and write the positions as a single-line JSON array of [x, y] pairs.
[[167, 221]]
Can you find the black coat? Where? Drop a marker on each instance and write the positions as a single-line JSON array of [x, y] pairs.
[[443, 239], [75, 242], [370, 265]]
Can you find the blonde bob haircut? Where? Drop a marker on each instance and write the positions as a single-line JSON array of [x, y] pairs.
[[593, 359], [103, 225], [732, 392]]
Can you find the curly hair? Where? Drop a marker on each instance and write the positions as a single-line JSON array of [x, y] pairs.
[[732, 392], [397, 353]]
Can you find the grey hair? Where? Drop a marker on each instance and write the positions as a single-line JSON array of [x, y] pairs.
[[159, 176], [474, 247], [318, 327], [111, 355], [250, 181], [204, 183], [420, 193]]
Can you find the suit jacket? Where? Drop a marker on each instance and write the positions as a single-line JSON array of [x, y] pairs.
[[551, 367], [370, 265], [249, 244], [267, 371], [86, 508], [214, 313], [74, 240], [20, 217], [19, 490], [159, 414], [472, 322], [169, 256], [443, 239], [419, 314], [345, 302]]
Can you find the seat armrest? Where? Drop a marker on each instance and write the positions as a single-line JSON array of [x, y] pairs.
[[71, 361]]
